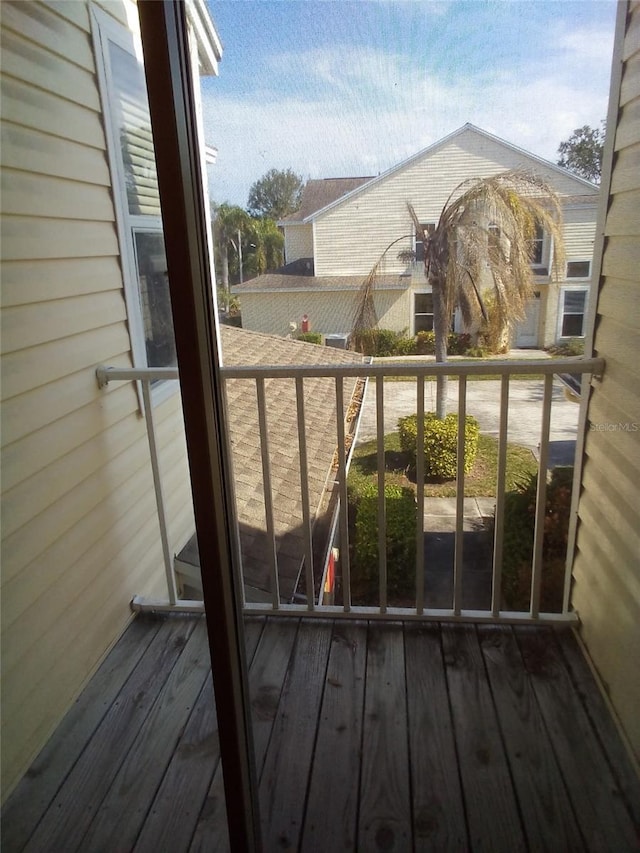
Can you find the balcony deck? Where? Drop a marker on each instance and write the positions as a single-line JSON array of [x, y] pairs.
[[379, 736]]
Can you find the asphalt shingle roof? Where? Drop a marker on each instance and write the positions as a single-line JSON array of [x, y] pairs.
[[319, 193], [242, 347]]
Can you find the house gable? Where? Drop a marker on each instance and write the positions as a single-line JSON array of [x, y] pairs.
[[352, 233]]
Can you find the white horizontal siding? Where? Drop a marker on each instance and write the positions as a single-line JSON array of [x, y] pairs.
[[80, 534], [298, 242], [579, 233], [607, 564], [350, 238], [330, 312]]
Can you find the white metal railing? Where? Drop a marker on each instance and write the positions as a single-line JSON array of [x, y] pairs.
[[420, 371]]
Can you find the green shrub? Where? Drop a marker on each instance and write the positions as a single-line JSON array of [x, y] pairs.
[[310, 337], [425, 343], [440, 443], [458, 343], [382, 343], [519, 525], [572, 347], [400, 508]]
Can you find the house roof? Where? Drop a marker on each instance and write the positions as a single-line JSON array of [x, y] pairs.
[[467, 128], [278, 282], [317, 194], [242, 347]]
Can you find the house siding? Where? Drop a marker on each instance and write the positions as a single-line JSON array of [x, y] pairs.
[[80, 534], [606, 568], [329, 312], [298, 242], [348, 237]]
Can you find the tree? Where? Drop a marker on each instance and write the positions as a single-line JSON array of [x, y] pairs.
[[229, 223], [582, 152], [266, 250], [482, 245], [276, 194]]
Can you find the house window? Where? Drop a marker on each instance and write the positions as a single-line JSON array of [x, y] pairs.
[[540, 252], [428, 228], [573, 304], [578, 269], [422, 313], [135, 193]]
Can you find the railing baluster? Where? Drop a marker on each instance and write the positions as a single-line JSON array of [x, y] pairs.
[[382, 521], [541, 499], [498, 532], [420, 495], [268, 497], [459, 542], [304, 491], [236, 544], [344, 507], [157, 485]]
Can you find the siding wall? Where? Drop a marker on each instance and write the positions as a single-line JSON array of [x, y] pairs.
[[350, 237], [330, 312], [80, 533], [607, 563], [298, 242]]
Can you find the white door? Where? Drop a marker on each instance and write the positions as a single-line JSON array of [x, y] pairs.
[[527, 330]]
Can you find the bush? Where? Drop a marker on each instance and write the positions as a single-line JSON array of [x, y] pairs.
[[519, 525], [425, 343], [458, 344], [440, 443], [382, 343], [310, 337], [569, 348], [400, 534]]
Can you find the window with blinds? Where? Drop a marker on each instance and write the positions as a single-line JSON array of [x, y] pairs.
[[135, 192]]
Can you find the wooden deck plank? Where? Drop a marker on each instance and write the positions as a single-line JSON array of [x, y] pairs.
[[438, 809], [544, 804], [39, 786], [177, 805], [73, 808], [385, 802], [266, 677], [596, 798], [492, 810], [287, 766], [117, 825], [335, 775], [603, 723]]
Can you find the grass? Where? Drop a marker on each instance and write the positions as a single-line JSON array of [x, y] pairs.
[[479, 482]]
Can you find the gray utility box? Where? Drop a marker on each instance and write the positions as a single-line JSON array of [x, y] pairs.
[[336, 341]]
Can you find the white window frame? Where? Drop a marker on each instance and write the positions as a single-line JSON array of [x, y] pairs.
[[105, 30], [572, 278], [421, 292], [545, 255], [431, 225], [561, 312]]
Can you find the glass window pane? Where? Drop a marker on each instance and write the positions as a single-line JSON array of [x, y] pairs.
[[578, 269], [423, 303], [574, 301], [423, 323], [155, 302], [133, 126], [572, 325]]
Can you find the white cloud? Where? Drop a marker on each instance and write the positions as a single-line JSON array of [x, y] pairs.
[[368, 111]]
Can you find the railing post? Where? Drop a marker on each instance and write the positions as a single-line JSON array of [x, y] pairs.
[[268, 497], [420, 495], [541, 499], [345, 563], [498, 532], [382, 521], [459, 542], [157, 485]]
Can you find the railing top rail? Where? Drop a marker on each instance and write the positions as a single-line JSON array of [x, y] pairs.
[[360, 369], [431, 368]]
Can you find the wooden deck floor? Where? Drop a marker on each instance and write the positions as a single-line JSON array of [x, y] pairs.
[[368, 737]]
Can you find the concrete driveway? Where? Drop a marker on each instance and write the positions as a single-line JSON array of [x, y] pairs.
[[483, 402]]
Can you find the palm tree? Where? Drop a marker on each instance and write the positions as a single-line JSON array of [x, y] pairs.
[[267, 243], [482, 246], [230, 222]]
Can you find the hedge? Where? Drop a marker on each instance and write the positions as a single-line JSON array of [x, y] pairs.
[[400, 507], [440, 443], [310, 337], [519, 525]]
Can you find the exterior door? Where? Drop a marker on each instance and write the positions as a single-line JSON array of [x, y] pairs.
[[527, 330]]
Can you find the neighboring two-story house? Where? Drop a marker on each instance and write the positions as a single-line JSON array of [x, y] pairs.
[[345, 224]]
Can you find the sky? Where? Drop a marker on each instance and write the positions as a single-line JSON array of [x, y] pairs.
[[337, 88]]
